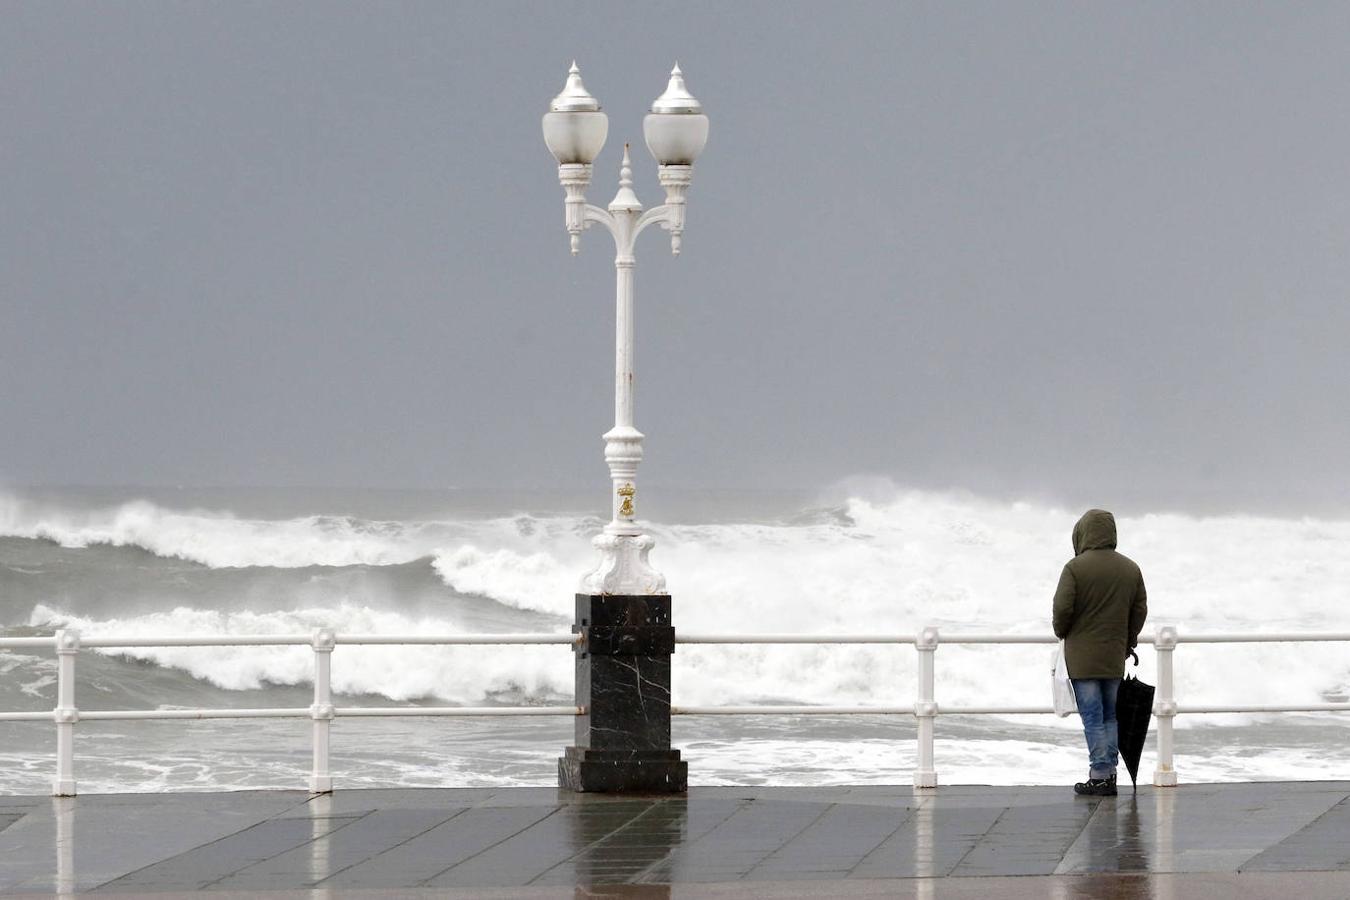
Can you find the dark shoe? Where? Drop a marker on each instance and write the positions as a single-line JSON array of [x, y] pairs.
[[1096, 787]]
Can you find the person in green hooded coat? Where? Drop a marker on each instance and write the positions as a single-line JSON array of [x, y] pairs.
[[1100, 607]]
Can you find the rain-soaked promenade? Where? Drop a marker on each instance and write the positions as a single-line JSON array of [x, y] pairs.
[[1229, 840]]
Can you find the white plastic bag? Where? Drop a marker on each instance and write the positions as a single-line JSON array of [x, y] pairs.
[[1065, 702]]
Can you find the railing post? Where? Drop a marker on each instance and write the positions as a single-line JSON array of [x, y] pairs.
[[1165, 705], [65, 714], [63, 811], [926, 708], [322, 712]]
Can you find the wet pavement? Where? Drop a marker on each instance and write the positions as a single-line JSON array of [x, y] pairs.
[[1231, 841]]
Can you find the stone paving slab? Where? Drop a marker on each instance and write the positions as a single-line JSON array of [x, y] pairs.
[[464, 836], [1174, 886], [1326, 839], [1210, 840], [1207, 828], [80, 843], [210, 864]]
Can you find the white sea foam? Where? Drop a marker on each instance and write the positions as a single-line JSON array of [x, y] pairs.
[[538, 580], [459, 674], [219, 539], [520, 561], [961, 562]]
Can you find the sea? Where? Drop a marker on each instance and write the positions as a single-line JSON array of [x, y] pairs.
[[175, 561]]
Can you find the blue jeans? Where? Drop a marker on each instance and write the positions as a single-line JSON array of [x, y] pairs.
[[1097, 705]]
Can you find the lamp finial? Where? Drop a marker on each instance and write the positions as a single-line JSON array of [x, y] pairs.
[[574, 96], [676, 100]]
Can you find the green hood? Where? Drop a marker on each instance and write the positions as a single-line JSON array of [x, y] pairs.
[[1096, 530]]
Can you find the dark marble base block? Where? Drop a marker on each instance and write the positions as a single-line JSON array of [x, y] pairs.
[[623, 771], [623, 684]]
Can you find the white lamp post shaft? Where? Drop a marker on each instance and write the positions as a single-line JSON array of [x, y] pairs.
[[623, 341], [623, 443], [624, 567], [676, 131]]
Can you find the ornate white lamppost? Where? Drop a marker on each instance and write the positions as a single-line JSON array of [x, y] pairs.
[[676, 131], [623, 611]]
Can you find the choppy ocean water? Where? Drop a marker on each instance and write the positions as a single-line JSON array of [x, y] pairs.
[[176, 562]]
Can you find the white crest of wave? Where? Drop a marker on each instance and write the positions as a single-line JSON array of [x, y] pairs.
[[967, 564], [219, 539], [458, 674], [535, 581], [960, 562]]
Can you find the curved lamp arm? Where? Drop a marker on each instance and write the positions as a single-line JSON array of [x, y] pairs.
[[625, 219], [658, 215], [625, 229], [592, 214]]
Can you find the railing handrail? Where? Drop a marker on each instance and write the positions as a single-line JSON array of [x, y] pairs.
[[791, 638], [46, 641], [105, 642], [1223, 637], [322, 642], [113, 641], [791, 710]]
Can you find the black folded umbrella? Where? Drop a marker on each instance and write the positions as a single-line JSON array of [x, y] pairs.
[[1134, 708]]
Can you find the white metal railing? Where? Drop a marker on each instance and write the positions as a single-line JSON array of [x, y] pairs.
[[926, 709], [322, 711]]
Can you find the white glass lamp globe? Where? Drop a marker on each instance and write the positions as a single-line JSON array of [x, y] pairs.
[[574, 127], [676, 129]]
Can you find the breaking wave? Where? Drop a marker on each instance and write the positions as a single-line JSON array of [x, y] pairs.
[[219, 539], [464, 675], [889, 565]]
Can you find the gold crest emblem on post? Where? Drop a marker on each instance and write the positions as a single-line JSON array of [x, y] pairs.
[[627, 492]]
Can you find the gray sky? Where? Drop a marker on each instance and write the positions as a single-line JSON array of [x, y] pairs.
[[1067, 250]]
